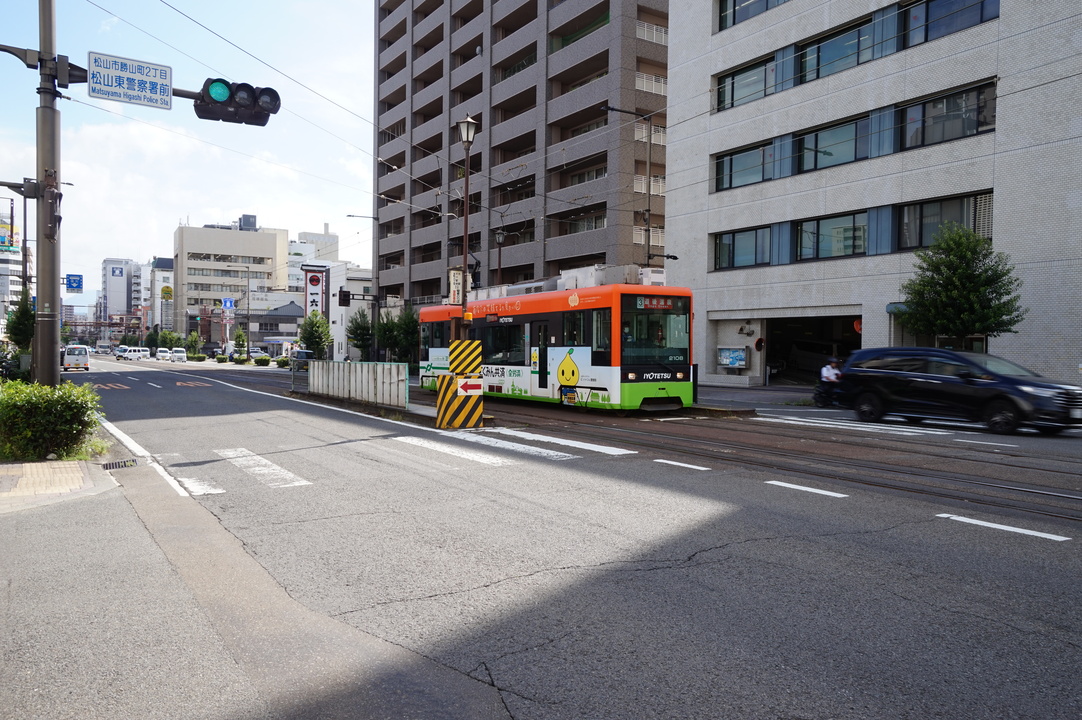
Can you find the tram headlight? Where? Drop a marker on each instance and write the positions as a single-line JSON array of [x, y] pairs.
[[679, 376], [632, 376]]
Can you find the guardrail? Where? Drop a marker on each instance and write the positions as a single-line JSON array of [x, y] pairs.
[[385, 384]]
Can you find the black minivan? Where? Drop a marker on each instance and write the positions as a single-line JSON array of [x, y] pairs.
[[920, 383]]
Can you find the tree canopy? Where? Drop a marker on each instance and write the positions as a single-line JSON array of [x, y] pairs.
[[315, 334], [21, 327], [962, 287], [359, 332]]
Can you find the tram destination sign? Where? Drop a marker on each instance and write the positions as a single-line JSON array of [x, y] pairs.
[[129, 81]]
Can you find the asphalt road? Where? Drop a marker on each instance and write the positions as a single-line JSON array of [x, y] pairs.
[[569, 579]]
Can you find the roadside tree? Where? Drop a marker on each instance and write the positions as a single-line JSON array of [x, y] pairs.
[[21, 327], [962, 288], [359, 332], [315, 334]]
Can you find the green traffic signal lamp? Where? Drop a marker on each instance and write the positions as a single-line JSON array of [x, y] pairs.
[[236, 102]]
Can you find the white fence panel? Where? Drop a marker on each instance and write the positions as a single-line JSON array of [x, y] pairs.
[[384, 384]]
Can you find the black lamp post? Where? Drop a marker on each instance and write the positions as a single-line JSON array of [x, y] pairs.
[[247, 311], [467, 130]]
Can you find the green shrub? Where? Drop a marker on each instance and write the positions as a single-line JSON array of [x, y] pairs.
[[197, 358], [282, 362], [240, 360], [37, 420], [262, 361], [222, 359]]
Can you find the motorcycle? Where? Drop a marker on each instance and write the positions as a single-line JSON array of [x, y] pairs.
[[822, 398]]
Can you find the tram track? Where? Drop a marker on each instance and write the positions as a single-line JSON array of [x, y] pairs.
[[966, 476]]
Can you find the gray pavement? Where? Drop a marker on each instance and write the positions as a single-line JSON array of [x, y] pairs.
[[122, 598]]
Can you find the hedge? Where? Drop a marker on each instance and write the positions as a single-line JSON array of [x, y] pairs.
[[37, 421]]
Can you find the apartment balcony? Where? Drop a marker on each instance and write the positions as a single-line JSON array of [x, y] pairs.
[[586, 192], [468, 70], [427, 164], [437, 233], [433, 91], [652, 33], [393, 276], [596, 43], [398, 48], [428, 64], [514, 85], [657, 185], [502, 8], [512, 255], [567, 151], [430, 198], [525, 36], [429, 128], [566, 13], [522, 209], [581, 243], [588, 97], [655, 84], [474, 28], [395, 16], [428, 270], [513, 128], [394, 115], [393, 244], [434, 21]]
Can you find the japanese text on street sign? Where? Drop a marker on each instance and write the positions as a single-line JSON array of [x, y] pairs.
[[129, 81]]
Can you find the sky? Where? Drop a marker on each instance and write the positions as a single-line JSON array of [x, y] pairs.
[[137, 173]]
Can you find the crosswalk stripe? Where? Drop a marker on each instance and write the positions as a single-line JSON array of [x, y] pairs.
[[603, 449], [264, 470], [474, 437], [455, 450]]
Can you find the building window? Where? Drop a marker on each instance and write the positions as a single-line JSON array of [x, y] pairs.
[[936, 18], [745, 85], [834, 146], [744, 167], [838, 52], [588, 127], [736, 11], [741, 249], [950, 117], [587, 175], [921, 221], [840, 236], [584, 224]]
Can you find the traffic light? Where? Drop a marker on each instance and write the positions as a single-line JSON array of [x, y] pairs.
[[343, 297], [236, 102]]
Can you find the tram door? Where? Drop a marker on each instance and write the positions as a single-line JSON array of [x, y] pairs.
[[540, 340]]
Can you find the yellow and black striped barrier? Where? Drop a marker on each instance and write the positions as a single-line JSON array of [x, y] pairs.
[[459, 403]]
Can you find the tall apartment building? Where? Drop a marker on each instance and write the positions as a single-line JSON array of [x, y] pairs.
[[556, 181], [820, 142]]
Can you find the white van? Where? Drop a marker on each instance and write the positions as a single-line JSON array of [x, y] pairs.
[[141, 353], [76, 357], [179, 355]]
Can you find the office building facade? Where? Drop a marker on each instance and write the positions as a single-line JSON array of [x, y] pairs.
[[820, 144]]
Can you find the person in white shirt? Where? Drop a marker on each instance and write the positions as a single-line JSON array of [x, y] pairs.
[[829, 377]]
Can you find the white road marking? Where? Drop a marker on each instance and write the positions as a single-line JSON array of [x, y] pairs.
[[544, 453], [1008, 528], [136, 449], [153, 385], [603, 449], [978, 442], [473, 455], [198, 487], [683, 465], [805, 489], [862, 427], [264, 470]]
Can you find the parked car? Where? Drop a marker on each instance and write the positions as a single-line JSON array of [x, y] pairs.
[[179, 355], [120, 350], [257, 352], [300, 358], [134, 353], [920, 383], [163, 354]]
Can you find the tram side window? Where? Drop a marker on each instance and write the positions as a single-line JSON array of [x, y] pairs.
[[434, 335], [503, 345], [601, 326], [575, 328]]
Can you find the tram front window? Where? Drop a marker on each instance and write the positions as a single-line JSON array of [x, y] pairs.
[[655, 329]]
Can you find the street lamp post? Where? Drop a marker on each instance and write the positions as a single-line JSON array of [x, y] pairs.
[[467, 130], [247, 311], [649, 118]]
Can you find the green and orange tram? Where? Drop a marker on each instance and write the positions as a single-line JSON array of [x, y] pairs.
[[613, 347]]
